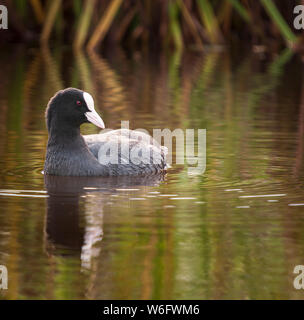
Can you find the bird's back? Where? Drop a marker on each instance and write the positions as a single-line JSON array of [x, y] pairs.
[[128, 152]]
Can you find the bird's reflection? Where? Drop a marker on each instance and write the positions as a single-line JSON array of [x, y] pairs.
[[72, 226]]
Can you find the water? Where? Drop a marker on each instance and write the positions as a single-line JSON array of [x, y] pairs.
[[235, 231]]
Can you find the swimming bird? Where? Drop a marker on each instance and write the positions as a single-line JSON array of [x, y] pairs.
[[110, 153]]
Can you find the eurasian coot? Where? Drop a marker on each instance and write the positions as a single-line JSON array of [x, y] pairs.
[[113, 153]]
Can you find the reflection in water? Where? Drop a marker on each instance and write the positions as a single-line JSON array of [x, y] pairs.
[[63, 228], [224, 234]]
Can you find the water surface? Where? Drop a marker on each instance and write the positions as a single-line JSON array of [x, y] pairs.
[[234, 232]]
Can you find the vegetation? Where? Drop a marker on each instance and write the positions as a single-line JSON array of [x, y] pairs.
[[153, 23]]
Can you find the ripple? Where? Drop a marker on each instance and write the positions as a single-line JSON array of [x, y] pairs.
[[264, 195], [23, 195], [183, 198]]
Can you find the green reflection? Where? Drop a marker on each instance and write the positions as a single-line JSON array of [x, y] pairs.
[[103, 243]]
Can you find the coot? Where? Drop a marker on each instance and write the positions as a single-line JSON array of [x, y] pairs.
[[113, 153]]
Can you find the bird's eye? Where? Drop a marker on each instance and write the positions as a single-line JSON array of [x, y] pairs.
[[78, 103]]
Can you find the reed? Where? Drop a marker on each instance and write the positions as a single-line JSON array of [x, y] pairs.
[[165, 23]]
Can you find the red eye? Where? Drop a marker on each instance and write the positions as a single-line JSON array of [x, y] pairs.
[[78, 103]]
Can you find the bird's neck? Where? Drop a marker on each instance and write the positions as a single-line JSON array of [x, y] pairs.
[[65, 136]]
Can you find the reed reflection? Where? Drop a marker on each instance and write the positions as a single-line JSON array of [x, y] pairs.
[[252, 108]]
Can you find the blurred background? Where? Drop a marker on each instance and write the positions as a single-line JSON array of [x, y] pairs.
[[152, 24], [233, 67]]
